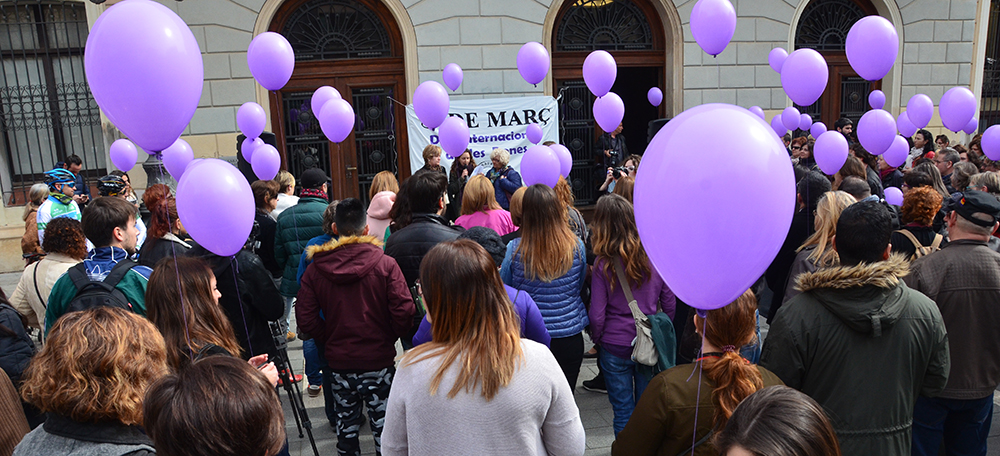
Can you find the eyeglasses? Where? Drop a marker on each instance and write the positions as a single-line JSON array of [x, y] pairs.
[[796, 147]]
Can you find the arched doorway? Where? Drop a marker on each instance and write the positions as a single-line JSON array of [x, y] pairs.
[[356, 47], [631, 30], [823, 26]]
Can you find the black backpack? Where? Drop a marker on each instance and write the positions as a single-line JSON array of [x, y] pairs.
[[91, 294]]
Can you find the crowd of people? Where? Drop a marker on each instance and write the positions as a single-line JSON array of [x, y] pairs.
[[124, 337]]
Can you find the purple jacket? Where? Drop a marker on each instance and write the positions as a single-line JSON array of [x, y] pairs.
[[611, 322], [532, 326]]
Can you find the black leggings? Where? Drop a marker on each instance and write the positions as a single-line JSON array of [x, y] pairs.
[[568, 352]]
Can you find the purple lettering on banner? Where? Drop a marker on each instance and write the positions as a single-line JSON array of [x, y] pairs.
[[434, 139]]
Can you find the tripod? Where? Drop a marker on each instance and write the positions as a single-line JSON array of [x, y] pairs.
[[292, 389]]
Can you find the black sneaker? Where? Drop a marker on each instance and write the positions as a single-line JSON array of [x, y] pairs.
[[595, 385]]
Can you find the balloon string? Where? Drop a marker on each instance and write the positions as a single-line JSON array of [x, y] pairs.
[[697, 404], [239, 297], [177, 272]]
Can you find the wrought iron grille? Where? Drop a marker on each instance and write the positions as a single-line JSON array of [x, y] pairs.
[[576, 128], [825, 23], [336, 29], [854, 92], [612, 25], [374, 135], [814, 110], [305, 145], [989, 107], [46, 109]]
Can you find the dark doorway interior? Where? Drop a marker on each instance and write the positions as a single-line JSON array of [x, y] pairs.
[[631, 85]]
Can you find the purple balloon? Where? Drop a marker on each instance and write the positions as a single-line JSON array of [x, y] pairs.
[[535, 133], [903, 124], [454, 136], [609, 111], [599, 72], [123, 154], [920, 110], [777, 126], [896, 155], [266, 162], [533, 62], [751, 179], [452, 76], [540, 165], [790, 118], [958, 106], [805, 122], [872, 45], [565, 159], [336, 119], [830, 152], [251, 119], [216, 205], [990, 142], [894, 196], [431, 102], [876, 99], [145, 70], [713, 23], [972, 126], [655, 96], [817, 129], [757, 111], [804, 76], [776, 58], [321, 96], [177, 157], [249, 146], [271, 60], [876, 131]]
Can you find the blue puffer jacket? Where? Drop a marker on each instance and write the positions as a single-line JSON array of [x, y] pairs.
[[558, 300]]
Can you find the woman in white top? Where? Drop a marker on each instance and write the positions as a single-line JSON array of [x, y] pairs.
[[286, 193], [477, 388]]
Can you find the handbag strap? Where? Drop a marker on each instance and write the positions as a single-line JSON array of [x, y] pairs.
[[632, 304], [35, 279]]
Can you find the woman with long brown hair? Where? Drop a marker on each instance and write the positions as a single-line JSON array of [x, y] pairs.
[[549, 263], [616, 243], [477, 387], [675, 413], [165, 233], [480, 208]]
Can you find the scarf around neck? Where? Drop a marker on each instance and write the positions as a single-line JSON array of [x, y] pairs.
[[61, 197]]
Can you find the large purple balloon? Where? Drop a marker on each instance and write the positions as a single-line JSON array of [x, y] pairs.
[[271, 60], [321, 96], [958, 106], [972, 126], [757, 111], [713, 23], [144, 68], [452, 76], [817, 129], [805, 122], [123, 154], [454, 135], [790, 118], [540, 165], [872, 45], [215, 203], [177, 157], [533, 62], [876, 99], [535, 133], [896, 155], [751, 180], [336, 119], [876, 130], [804, 76], [894, 196], [266, 162], [655, 96], [830, 152], [903, 124], [249, 145], [599, 72], [251, 119], [777, 126], [920, 110], [431, 102], [776, 58], [990, 142], [565, 159], [609, 111]]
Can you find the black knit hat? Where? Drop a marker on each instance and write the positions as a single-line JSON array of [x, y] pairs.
[[490, 241]]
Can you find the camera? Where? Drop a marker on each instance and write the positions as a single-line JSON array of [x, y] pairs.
[[618, 171]]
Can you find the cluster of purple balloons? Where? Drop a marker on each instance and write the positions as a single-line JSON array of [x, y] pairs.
[[599, 73], [544, 164]]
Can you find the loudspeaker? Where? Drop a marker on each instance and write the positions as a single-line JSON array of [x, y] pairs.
[[242, 164], [654, 126]]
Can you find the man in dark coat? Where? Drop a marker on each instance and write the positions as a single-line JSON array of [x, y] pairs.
[[859, 341]]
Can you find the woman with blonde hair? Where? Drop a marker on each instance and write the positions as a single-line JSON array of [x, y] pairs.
[[506, 180], [515, 215], [817, 251], [91, 378], [549, 263], [477, 388], [625, 187], [384, 181], [432, 160], [286, 192], [29, 240], [684, 406], [480, 208]]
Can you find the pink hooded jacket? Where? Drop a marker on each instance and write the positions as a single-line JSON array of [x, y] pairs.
[[378, 213]]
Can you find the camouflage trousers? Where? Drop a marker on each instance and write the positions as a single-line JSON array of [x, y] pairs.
[[350, 391]]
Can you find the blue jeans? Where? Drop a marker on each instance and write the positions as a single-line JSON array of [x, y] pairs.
[[286, 319], [313, 361], [625, 385], [751, 351], [964, 425]]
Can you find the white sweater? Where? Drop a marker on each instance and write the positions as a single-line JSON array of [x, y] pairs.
[[534, 415]]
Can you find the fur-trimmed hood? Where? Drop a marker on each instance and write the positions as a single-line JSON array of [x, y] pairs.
[[346, 259], [867, 297]]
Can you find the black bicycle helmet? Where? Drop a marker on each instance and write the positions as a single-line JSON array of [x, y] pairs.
[[111, 185]]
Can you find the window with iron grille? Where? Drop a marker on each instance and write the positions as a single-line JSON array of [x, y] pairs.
[[336, 29], [824, 24], [610, 25], [989, 108]]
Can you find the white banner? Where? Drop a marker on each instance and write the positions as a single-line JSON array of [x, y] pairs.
[[493, 123]]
